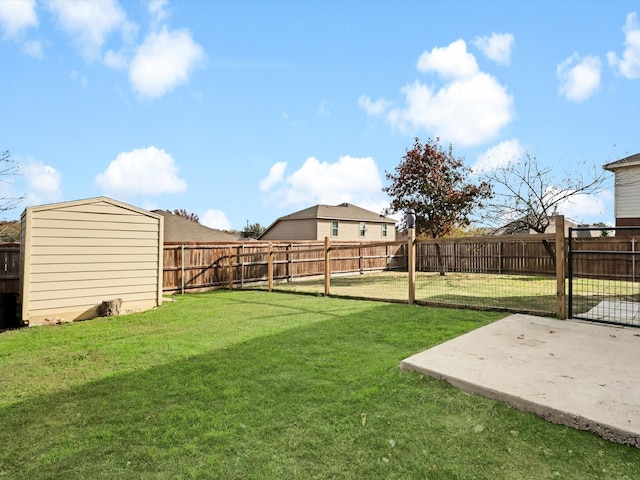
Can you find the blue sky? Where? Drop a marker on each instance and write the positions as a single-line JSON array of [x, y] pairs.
[[247, 111]]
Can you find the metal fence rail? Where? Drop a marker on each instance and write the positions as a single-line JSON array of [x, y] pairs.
[[604, 285]]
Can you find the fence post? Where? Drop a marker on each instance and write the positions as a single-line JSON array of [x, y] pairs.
[[230, 267], [270, 265], [242, 268], [561, 301], [182, 271], [411, 244], [633, 259], [327, 265]]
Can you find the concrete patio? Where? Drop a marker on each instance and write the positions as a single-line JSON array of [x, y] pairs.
[[574, 373]]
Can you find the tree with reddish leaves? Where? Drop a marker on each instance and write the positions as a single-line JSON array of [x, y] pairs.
[[435, 184]]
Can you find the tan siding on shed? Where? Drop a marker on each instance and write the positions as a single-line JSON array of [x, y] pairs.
[[82, 253]]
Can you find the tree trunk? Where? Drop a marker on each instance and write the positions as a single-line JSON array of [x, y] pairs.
[[549, 248], [440, 262]]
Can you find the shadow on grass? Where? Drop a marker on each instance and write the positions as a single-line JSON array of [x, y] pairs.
[[324, 400]]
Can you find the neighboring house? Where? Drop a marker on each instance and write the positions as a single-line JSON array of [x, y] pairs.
[[627, 191], [339, 222], [178, 229]]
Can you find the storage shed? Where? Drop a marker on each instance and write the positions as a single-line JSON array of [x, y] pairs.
[[75, 255]]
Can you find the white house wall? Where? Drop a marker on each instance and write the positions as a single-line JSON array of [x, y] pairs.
[[627, 192]]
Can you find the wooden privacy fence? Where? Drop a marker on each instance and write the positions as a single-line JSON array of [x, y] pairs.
[[622, 265], [9, 268], [199, 266], [509, 254]]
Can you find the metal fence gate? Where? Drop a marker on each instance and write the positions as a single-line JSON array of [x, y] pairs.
[[604, 275]]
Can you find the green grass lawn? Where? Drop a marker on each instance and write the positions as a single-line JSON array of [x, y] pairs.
[[520, 293], [252, 385]]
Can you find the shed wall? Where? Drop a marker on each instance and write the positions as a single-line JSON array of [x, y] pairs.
[[80, 254]]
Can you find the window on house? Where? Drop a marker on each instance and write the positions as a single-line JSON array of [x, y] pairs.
[[363, 229], [384, 230], [334, 228]]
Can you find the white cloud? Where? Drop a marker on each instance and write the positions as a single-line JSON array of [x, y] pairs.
[[43, 183], [374, 108], [468, 108], [579, 79], [585, 207], [90, 23], [497, 47], [158, 11], [350, 179], [16, 16], [275, 176], [501, 155], [143, 171], [33, 48], [451, 62], [116, 60], [164, 61], [215, 219], [629, 65], [465, 112]]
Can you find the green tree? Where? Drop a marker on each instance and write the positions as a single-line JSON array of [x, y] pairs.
[[253, 230], [434, 183]]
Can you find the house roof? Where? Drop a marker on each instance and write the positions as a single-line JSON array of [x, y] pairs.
[[629, 161], [343, 211], [180, 229], [521, 226]]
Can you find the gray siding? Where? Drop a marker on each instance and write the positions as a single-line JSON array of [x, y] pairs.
[[78, 254]]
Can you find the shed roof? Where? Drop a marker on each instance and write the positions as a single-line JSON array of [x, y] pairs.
[[86, 201], [180, 229], [629, 161]]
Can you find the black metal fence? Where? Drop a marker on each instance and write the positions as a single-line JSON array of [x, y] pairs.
[[604, 276]]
